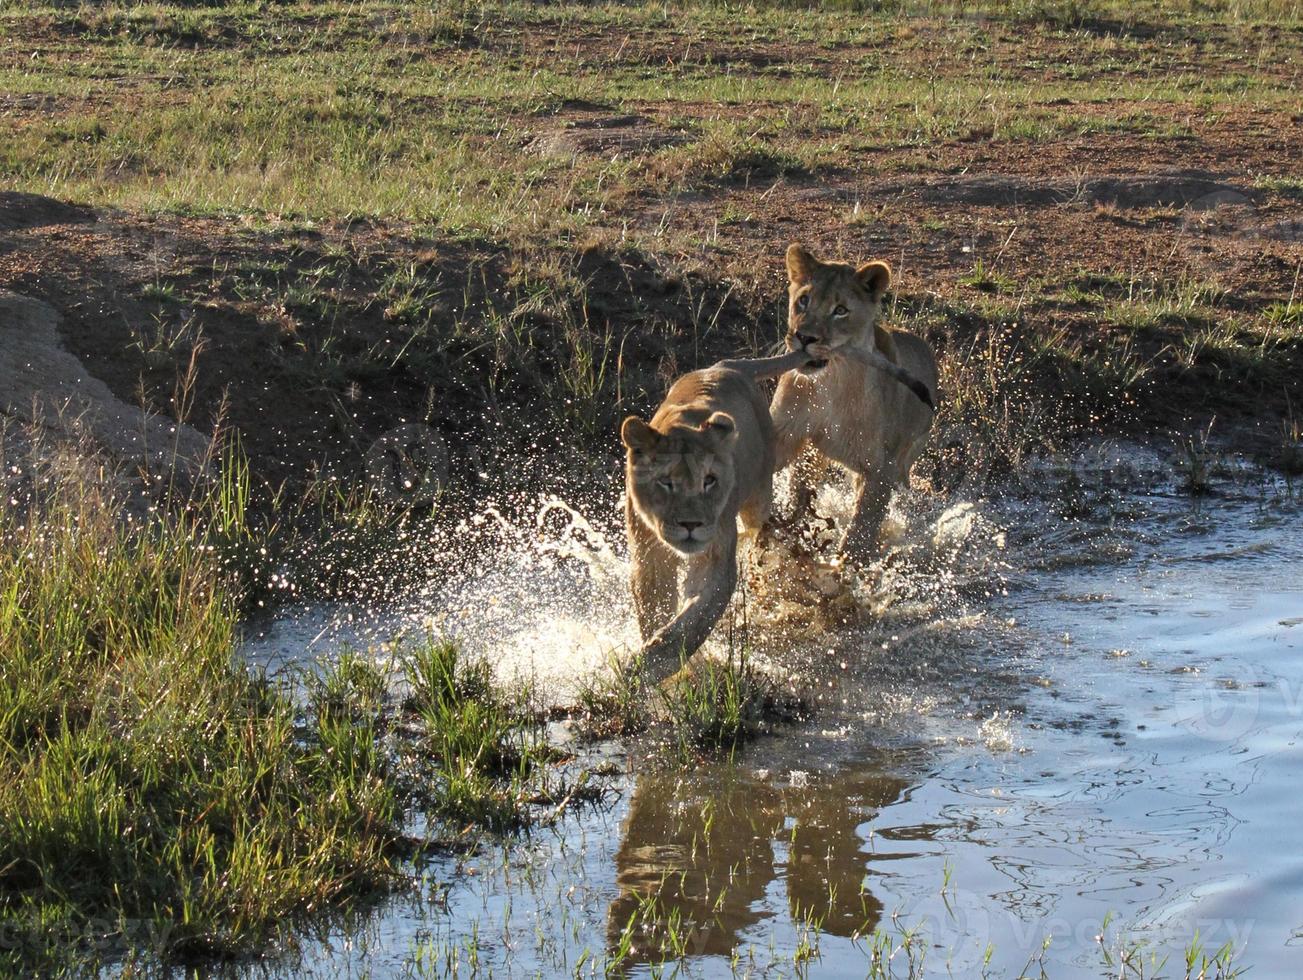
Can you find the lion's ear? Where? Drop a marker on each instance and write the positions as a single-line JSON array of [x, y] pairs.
[[800, 263], [638, 435], [874, 277], [721, 428]]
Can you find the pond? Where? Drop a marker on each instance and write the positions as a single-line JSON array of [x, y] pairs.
[[1064, 727]]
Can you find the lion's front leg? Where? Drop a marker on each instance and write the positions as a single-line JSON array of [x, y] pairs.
[[712, 576], [790, 411], [808, 475], [653, 576], [872, 495], [791, 416]]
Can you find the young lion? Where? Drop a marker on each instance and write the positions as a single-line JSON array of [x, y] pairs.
[[866, 398], [706, 458]]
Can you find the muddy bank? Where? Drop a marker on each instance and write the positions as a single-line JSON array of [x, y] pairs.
[[312, 343], [45, 388], [324, 345]]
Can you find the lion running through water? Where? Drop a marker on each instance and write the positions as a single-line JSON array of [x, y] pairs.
[[704, 460]]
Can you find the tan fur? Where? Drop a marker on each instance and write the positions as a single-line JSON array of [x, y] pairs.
[[851, 411], [705, 459]]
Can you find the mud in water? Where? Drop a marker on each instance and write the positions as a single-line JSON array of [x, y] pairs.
[[1070, 714]]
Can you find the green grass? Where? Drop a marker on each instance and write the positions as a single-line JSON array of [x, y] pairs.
[[708, 706], [1285, 316], [1158, 305], [489, 754], [353, 689], [159, 800], [987, 279], [160, 291], [432, 113], [614, 702], [145, 775], [718, 705], [1288, 185]]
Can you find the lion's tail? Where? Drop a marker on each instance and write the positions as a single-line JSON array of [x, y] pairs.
[[881, 362], [766, 367]]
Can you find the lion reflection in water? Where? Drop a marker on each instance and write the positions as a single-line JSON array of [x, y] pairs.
[[716, 850]]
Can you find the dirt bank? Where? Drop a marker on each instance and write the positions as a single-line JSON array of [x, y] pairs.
[[42, 385], [1119, 302]]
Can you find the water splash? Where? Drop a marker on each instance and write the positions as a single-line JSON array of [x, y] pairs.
[[544, 599], [540, 594], [539, 589]]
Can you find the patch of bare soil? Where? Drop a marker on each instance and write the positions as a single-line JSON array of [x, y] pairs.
[[604, 135], [1137, 224]]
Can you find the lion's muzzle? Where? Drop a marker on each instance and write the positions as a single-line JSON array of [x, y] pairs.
[[688, 537], [802, 341]]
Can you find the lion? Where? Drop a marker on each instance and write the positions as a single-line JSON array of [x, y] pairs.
[[705, 460], [865, 399]]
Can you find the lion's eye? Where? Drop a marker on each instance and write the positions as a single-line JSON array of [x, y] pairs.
[[665, 484], [840, 310], [803, 301], [710, 481]]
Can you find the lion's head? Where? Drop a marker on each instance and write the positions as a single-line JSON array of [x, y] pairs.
[[831, 304], [681, 479]]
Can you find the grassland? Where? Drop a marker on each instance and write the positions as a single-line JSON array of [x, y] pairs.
[[152, 790], [513, 223], [447, 115]]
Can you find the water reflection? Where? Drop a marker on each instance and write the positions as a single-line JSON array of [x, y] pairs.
[[1112, 736], [710, 854]]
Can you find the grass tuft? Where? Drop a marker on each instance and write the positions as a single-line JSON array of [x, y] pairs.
[[614, 702], [718, 705], [145, 775], [486, 752]]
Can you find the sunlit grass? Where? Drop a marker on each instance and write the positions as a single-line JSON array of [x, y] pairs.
[[715, 705], [156, 797], [147, 776], [487, 751], [431, 114]]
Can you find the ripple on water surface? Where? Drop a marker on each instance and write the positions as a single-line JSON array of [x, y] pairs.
[[1031, 721]]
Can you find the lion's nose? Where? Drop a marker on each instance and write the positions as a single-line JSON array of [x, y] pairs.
[[690, 525], [806, 339]]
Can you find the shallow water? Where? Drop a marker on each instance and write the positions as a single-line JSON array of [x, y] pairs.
[[1073, 715]]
